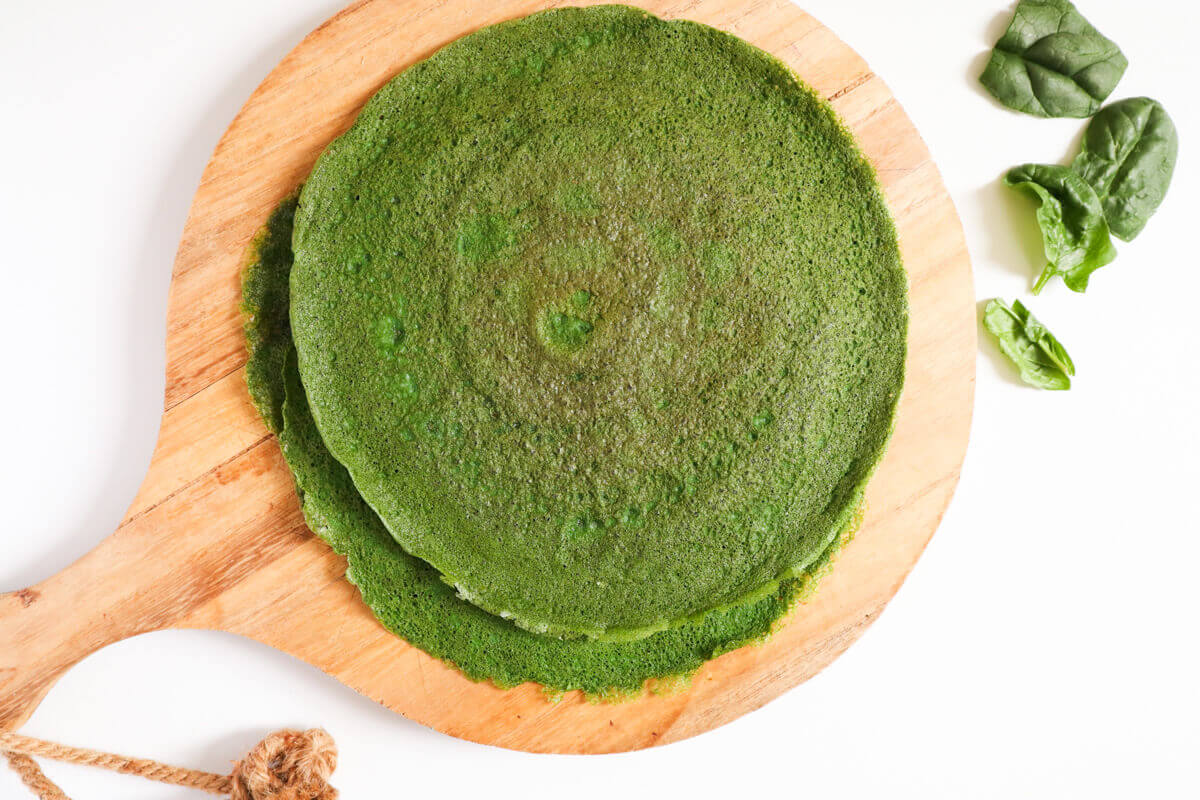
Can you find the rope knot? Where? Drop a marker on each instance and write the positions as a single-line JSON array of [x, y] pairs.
[[287, 765]]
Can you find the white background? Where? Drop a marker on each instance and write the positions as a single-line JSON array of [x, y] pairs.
[[1045, 646]]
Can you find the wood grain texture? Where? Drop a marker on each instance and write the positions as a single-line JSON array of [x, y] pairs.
[[214, 538]]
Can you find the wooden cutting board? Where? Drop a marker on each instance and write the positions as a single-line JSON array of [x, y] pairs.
[[214, 538]]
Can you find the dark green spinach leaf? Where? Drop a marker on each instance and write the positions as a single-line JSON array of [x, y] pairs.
[[1042, 359], [1074, 232], [1128, 157], [1051, 62]]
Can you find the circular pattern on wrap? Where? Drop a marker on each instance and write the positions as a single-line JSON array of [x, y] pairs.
[[605, 317]]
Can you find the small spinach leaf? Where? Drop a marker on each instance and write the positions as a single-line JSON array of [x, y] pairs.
[[1042, 359], [1051, 62], [1128, 157], [1074, 232]]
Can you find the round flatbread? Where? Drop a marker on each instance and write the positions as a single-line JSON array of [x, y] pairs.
[[605, 317]]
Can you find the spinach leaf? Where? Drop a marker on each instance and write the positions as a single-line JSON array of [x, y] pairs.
[[1128, 157], [1074, 232], [1042, 359], [1051, 62]]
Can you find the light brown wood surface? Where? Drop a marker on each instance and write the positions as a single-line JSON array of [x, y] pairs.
[[214, 537]]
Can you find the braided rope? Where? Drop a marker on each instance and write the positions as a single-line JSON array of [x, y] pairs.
[[33, 777], [286, 765]]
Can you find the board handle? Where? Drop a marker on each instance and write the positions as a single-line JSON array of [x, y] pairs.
[[47, 628], [215, 504]]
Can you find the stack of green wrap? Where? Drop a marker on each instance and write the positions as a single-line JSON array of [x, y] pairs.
[[581, 345]]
